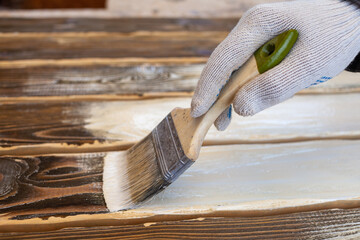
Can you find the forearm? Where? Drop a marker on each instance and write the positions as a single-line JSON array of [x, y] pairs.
[[355, 64], [356, 2]]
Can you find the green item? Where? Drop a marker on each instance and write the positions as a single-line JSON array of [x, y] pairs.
[[274, 51]]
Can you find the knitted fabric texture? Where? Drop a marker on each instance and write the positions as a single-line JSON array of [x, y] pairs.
[[329, 37]]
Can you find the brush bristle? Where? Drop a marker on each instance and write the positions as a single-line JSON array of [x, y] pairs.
[[131, 177]]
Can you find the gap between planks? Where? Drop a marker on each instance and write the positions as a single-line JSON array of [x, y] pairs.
[[124, 217], [142, 96], [96, 146], [100, 97], [131, 97], [119, 62]]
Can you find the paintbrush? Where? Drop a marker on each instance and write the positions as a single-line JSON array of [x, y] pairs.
[[159, 159]]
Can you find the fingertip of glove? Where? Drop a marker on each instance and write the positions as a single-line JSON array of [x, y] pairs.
[[245, 109], [221, 125], [196, 109], [223, 121], [195, 113]]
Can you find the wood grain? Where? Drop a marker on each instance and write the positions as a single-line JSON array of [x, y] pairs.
[[79, 122], [43, 193], [114, 24], [15, 46], [51, 4], [98, 79], [60, 196], [57, 184], [183, 8], [122, 77], [54, 120], [325, 224]]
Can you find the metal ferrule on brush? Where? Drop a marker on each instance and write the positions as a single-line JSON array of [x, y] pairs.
[[171, 158]]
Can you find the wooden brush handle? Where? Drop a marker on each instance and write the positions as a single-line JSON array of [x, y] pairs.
[[247, 72], [191, 131]]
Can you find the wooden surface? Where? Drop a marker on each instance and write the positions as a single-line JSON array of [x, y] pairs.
[[183, 8], [76, 91], [51, 4], [107, 45], [91, 79], [324, 224], [42, 184], [79, 122], [115, 24], [71, 184]]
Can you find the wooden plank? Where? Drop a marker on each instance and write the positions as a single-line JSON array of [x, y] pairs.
[[51, 4], [72, 183], [302, 118], [59, 191], [118, 77], [325, 224], [58, 13], [98, 79], [54, 117], [15, 46], [183, 8], [115, 24]]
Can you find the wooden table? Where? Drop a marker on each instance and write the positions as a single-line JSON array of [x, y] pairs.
[[75, 91]]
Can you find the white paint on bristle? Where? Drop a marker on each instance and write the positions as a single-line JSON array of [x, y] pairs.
[[115, 181]]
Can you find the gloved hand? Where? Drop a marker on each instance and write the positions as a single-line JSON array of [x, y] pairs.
[[329, 39]]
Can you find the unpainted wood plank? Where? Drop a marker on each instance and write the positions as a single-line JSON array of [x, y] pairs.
[[302, 118], [182, 8], [325, 224], [83, 77], [53, 4], [15, 46], [98, 79], [58, 13], [58, 191], [115, 24]]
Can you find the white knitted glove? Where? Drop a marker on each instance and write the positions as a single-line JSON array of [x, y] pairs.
[[329, 39]]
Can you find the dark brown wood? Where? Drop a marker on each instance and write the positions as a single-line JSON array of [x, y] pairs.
[[325, 224], [108, 45], [34, 123], [51, 185], [115, 24], [51, 4], [98, 79]]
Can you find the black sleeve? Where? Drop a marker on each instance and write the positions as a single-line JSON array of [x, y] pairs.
[[356, 2], [355, 64]]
